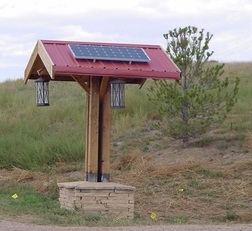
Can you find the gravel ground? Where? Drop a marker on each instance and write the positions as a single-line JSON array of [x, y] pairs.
[[14, 226]]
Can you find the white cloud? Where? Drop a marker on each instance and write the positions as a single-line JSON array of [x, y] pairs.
[[131, 21], [14, 46], [77, 33], [61, 7]]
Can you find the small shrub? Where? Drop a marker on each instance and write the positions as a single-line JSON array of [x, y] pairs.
[[232, 216], [180, 220], [205, 141], [208, 173], [92, 217]]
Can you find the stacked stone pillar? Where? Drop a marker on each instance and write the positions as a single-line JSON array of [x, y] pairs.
[[94, 197]]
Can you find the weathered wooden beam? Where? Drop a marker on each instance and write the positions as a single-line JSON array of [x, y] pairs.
[[82, 83], [87, 133], [28, 69], [105, 137], [46, 59], [93, 130], [98, 129], [142, 82], [42, 71], [103, 86], [39, 52]]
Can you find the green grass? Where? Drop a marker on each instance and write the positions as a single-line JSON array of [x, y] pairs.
[[32, 136], [28, 202], [41, 136], [180, 220], [44, 209], [36, 138]]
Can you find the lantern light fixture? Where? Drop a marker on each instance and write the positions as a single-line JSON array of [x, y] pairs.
[[117, 93], [42, 92]]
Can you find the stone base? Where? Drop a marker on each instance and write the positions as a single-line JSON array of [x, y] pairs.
[[98, 197]]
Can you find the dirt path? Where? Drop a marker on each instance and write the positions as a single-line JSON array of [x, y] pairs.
[[14, 226]]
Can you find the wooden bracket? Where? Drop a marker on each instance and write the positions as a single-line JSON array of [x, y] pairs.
[[103, 86], [142, 82], [42, 71], [80, 81]]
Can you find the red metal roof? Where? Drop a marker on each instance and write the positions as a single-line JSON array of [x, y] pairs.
[[59, 63]]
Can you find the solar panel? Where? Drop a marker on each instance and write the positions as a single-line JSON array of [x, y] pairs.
[[114, 53]]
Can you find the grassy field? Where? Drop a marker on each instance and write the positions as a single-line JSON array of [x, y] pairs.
[[210, 182]]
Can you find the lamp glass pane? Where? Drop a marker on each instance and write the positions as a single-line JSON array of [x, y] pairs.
[[117, 94], [46, 93], [42, 93]]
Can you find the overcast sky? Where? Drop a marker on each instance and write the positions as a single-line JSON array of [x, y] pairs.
[[22, 23]]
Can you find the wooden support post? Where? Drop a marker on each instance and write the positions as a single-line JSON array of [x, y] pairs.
[[87, 134], [98, 131], [92, 149], [105, 133]]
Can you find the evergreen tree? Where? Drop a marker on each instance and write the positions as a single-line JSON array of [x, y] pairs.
[[202, 97]]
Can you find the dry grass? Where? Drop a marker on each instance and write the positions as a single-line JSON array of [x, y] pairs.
[[195, 185], [192, 189], [248, 141], [208, 184], [40, 181], [145, 166]]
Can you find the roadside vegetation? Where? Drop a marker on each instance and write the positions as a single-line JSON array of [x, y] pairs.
[[209, 182], [202, 97]]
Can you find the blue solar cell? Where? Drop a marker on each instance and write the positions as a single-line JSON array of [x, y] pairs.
[[108, 53]]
